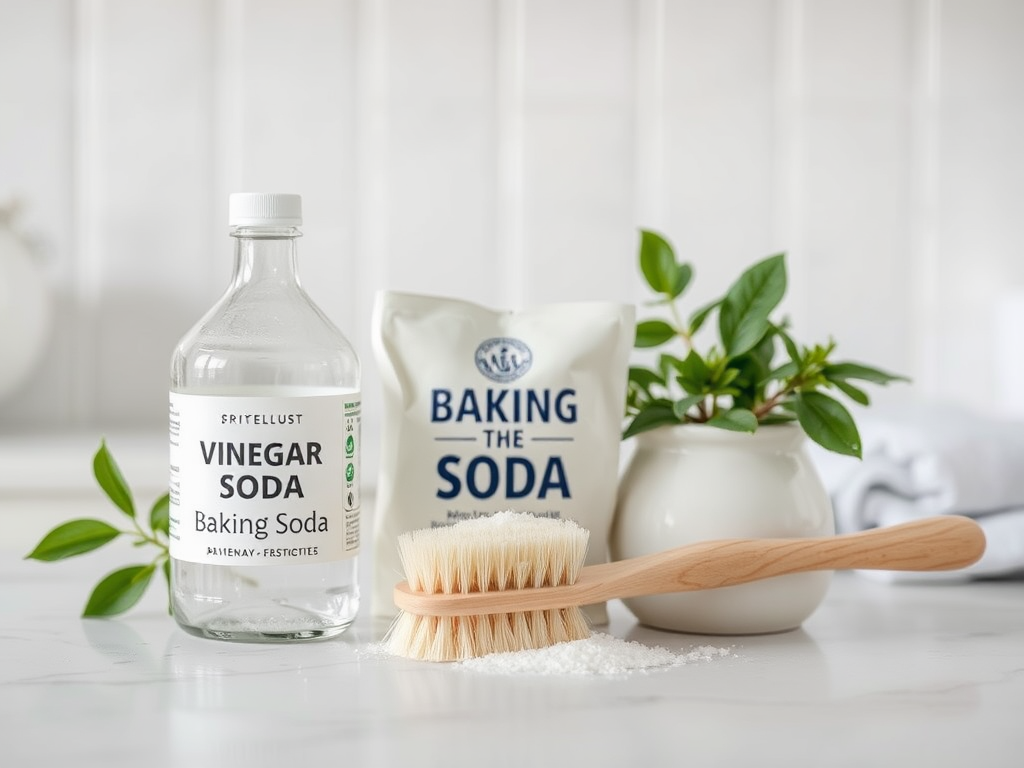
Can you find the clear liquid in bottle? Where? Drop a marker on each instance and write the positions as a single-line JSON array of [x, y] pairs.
[[264, 450]]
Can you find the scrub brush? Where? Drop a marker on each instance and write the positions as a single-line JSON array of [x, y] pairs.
[[503, 554], [513, 582]]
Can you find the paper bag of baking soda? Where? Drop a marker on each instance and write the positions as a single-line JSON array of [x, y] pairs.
[[487, 410]]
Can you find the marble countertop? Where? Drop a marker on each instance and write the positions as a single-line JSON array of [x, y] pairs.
[[880, 675]]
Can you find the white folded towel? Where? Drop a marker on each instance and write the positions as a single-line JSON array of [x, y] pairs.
[[934, 460]]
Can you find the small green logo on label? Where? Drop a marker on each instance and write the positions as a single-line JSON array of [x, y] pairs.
[[350, 446], [350, 472]]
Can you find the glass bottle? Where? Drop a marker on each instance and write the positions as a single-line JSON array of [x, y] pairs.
[[264, 449]]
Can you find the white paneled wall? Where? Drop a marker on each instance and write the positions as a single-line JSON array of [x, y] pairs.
[[507, 151]]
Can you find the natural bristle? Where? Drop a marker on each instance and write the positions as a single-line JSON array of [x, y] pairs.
[[505, 551], [454, 638]]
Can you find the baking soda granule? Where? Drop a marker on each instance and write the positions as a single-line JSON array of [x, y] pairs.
[[599, 654]]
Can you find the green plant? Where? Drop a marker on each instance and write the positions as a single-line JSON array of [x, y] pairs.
[[737, 383], [120, 590]]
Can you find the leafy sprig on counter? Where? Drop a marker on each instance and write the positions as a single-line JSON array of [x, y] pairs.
[[120, 590], [737, 383]]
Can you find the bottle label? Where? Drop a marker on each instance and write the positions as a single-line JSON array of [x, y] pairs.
[[264, 480]]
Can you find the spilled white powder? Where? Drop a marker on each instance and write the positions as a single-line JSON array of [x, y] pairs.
[[599, 654]]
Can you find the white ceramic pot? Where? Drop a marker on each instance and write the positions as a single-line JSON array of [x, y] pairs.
[[692, 483]]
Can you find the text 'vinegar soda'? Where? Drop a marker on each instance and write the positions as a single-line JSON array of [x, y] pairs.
[[264, 449]]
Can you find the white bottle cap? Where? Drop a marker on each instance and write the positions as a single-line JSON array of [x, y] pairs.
[[264, 209]]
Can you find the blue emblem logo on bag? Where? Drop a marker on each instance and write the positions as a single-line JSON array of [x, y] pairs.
[[503, 359]]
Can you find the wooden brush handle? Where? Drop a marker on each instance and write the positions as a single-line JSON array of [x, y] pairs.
[[932, 544]]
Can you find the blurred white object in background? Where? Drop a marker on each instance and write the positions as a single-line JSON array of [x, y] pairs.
[[1008, 341], [934, 458], [25, 306]]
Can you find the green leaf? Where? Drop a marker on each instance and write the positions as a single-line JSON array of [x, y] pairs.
[[639, 387], [683, 276], [726, 377], [74, 537], [694, 374], [787, 340], [842, 371], [753, 373], [658, 264], [680, 407], [652, 333], [764, 352], [827, 422], [159, 514], [644, 378], [119, 591], [651, 417], [667, 364], [784, 371], [856, 394], [697, 318], [777, 418], [110, 479], [743, 317], [736, 419]]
